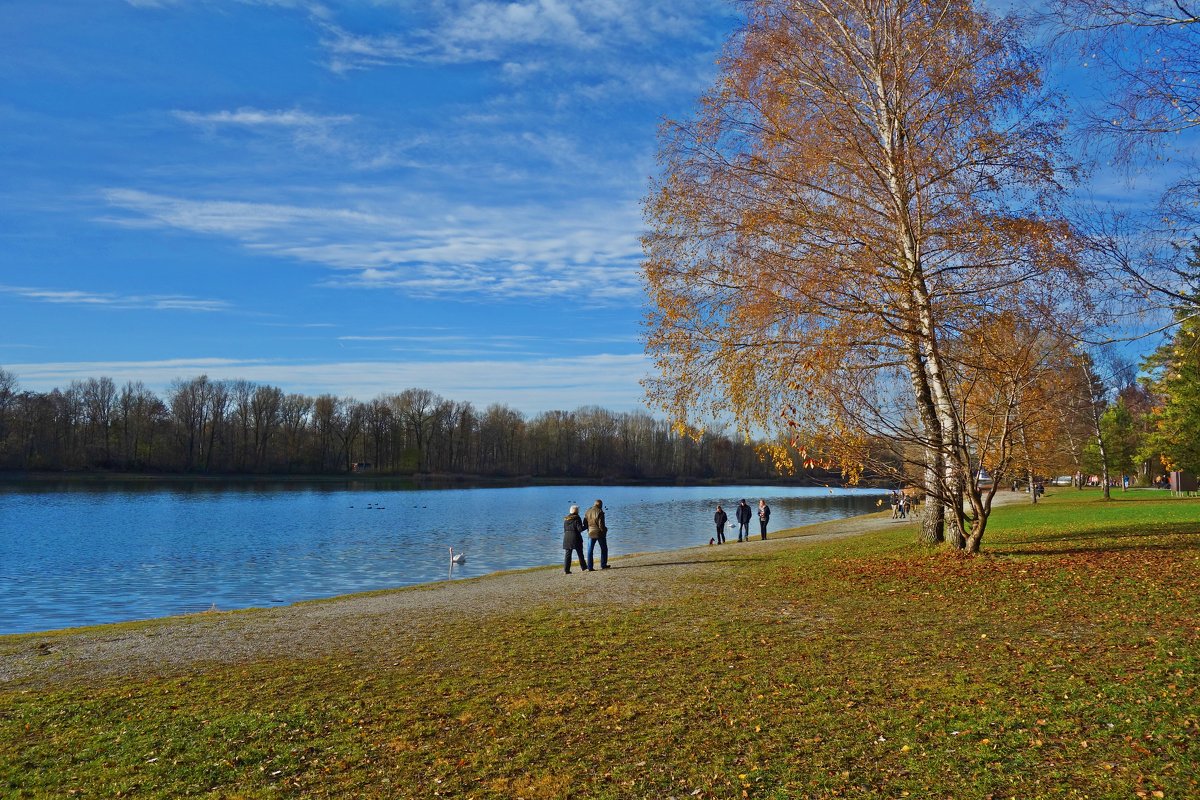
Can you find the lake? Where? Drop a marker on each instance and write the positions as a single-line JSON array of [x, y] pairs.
[[73, 554]]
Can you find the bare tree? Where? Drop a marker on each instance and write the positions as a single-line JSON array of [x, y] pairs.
[[216, 400], [242, 396], [140, 410], [294, 417], [1145, 58], [8, 404], [418, 409], [266, 409]]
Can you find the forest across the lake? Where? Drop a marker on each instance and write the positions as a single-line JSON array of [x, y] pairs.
[[229, 427]]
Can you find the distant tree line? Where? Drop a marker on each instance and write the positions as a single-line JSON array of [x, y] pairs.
[[208, 426]]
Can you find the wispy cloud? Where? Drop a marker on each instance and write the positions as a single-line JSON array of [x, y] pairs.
[[316, 9], [530, 385], [526, 37], [298, 324], [343, 136], [456, 345], [425, 248], [252, 117], [118, 301]]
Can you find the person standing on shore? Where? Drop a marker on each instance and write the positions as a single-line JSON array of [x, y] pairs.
[[764, 516], [743, 518], [597, 532], [720, 518], [573, 529]]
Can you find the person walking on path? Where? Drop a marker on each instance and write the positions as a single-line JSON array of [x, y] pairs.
[[573, 529], [743, 518], [597, 532], [720, 518], [764, 516]]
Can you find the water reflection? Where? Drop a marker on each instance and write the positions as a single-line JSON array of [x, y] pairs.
[[76, 554]]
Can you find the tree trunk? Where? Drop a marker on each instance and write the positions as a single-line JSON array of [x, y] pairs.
[[933, 516], [975, 539], [1098, 432], [955, 536]]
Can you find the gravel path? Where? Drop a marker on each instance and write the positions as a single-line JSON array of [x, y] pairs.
[[361, 623]]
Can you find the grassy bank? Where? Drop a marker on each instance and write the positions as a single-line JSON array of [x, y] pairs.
[[1062, 663]]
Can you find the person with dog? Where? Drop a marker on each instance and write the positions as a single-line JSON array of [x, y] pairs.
[[720, 518]]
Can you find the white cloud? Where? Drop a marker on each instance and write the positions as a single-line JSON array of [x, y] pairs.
[[298, 324], [487, 24], [313, 8], [524, 34], [528, 385], [252, 117], [342, 136], [110, 300], [423, 248], [224, 217]]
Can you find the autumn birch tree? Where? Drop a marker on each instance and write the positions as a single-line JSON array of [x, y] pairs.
[[866, 184]]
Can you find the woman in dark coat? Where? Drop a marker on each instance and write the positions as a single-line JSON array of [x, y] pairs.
[[720, 518], [573, 529]]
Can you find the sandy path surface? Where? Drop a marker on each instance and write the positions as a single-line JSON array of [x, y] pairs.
[[368, 622]]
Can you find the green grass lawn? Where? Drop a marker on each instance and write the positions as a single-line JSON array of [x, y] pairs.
[[1060, 663]]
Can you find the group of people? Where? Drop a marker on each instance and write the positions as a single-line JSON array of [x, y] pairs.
[[593, 524], [744, 514], [597, 530], [901, 505]]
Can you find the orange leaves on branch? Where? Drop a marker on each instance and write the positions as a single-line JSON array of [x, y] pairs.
[[831, 227]]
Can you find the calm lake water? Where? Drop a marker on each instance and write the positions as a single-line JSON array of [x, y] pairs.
[[80, 555]]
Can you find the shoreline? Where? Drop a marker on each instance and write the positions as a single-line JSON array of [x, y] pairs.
[[415, 481], [353, 621], [178, 550], [365, 622]]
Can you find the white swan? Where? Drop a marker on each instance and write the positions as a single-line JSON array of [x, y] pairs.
[[457, 559]]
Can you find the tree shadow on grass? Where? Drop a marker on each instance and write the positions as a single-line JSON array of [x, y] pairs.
[[1190, 532], [1111, 547]]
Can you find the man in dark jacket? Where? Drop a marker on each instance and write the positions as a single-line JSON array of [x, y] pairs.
[[573, 529], [597, 532], [743, 518], [720, 518]]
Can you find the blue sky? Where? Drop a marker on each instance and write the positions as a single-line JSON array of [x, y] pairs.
[[353, 198]]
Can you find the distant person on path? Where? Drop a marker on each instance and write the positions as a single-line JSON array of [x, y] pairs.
[[597, 532], [764, 516], [573, 529], [720, 518], [743, 518]]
